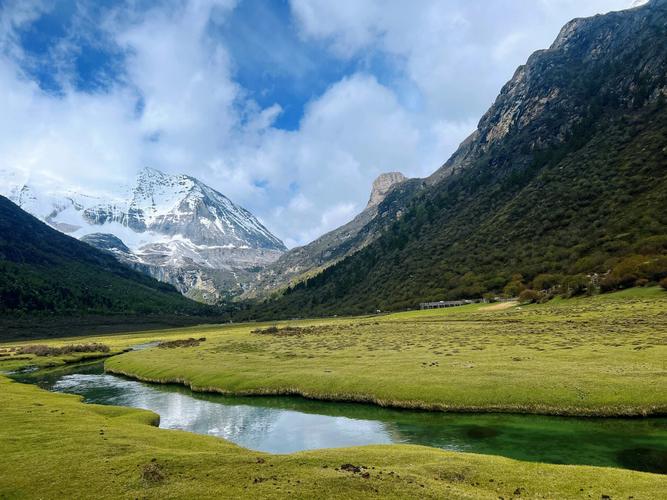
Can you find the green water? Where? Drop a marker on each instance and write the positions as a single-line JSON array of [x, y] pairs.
[[288, 424]]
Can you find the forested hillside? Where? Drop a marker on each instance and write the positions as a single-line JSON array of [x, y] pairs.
[[565, 178]]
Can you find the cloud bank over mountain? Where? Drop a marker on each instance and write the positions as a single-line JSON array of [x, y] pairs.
[[291, 113]]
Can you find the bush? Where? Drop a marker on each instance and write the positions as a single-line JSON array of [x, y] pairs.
[[286, 330], [576, 285], [152, 473], [514, 287], [547, 281], [663, 283], [271, 329], [635, 270], [45, 350], [190, 342], [531, 296]]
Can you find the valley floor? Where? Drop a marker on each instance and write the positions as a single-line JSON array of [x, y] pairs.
[[590, 356], [599, 356]]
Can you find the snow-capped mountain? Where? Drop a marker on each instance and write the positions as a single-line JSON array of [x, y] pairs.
[[173, 227]]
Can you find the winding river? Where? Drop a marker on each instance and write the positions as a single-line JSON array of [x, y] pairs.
[[288, 424]]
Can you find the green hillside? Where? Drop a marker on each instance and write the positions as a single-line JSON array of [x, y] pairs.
[[44, 271], [565, 178]]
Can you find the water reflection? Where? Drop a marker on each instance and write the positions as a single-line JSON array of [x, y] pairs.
[[288, 424], [258, 428]]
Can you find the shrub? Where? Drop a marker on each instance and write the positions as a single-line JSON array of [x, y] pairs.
[[515, 286], [190, 342], [271, 329], [152, 473], [651, 245], [635, 270], [663, 283], [576, 285], [286, 330], [529, 296], [45, 350], [547, 281]]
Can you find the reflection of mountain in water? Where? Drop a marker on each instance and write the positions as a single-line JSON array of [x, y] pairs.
[[287, 424], [260, 428]]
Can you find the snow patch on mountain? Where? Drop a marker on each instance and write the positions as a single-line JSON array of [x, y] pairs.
[[174, 222]]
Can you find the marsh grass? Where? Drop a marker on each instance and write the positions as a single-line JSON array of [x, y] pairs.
[[602, 355]]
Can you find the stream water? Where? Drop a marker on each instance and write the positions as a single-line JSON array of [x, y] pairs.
[[288, 424]]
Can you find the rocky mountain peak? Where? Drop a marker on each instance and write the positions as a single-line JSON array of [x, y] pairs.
[[382, 185], [171, 226]]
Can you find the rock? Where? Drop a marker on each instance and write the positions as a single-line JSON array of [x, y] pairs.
[[382, 185]]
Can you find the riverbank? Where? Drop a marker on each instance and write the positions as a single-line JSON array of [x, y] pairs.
[[114, 452], [592, 356]]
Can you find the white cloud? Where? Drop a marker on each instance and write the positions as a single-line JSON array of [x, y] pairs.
[[62, 138], [15, 14], [446, 63], [183, 76], [356, 130], [99, 138], [456, 53]]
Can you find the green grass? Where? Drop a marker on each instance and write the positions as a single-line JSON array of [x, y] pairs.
[[600, 355], [603, 356], [54, 446]]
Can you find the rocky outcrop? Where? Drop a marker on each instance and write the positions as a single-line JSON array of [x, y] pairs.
[[382, 185], [108, 242]]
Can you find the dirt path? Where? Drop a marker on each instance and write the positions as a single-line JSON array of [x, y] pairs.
[[499, 306]]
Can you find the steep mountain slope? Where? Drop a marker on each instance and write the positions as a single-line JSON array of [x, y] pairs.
[[173, 227], [45, 271], [389, 196], [566, 174]]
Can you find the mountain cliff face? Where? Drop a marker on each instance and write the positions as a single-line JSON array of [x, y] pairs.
[[173, 227], [612, 60], [388, 198], [564, 177]]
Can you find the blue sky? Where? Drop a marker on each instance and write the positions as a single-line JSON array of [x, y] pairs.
[[282, 67], [290, 108]]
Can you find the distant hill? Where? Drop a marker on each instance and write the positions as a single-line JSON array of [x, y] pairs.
[[564, 178], [45, 271]]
